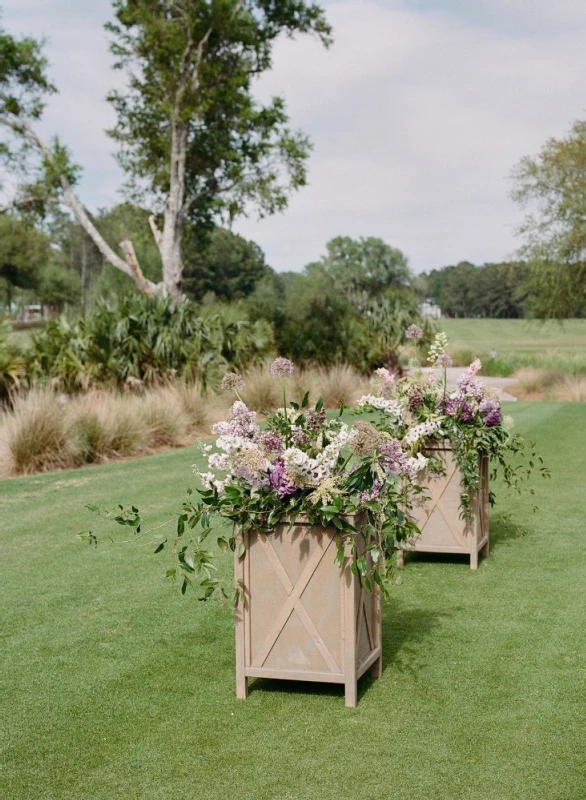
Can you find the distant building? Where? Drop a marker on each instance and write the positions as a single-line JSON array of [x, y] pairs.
[[430, 310]]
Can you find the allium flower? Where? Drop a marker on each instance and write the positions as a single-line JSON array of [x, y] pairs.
[[315, 419], [492, 355], [364, 439], [232, 382], [248, 464], [451, 407], [413, 332], [282, 368], [444, 360]]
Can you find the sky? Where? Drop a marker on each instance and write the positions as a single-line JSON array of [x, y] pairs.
[[418, 113]]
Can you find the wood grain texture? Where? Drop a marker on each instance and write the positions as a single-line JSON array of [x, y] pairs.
[[301, 616], [438, 518]]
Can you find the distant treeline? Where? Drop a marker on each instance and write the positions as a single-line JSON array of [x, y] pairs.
[[490, 290]]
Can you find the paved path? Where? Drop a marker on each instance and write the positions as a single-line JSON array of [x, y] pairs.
[[453, 373]]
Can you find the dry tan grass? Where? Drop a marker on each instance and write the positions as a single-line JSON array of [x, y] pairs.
[[261, 391], [532, 380], [340, 384], [571, 389], [45, 432], [34, 434]]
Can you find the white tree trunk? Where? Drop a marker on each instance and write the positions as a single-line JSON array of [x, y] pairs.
[[169, 240]]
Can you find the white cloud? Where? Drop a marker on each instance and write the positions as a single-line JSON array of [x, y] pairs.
[[417, 117]]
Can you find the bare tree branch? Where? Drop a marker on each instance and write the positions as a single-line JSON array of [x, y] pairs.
[[133, 269]]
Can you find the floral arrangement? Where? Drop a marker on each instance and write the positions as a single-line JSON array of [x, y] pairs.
[[298, 464], [420, 408]]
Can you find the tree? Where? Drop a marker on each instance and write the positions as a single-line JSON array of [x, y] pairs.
[[194, 142], [229, 266], [552, 186], [365, 267], [24, 252]]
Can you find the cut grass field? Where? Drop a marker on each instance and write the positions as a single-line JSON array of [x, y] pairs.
[[115, 686], [516, 336]]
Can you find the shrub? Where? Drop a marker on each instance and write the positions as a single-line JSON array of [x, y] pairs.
[[36, 433], [572, 389], [533, 381], [165, 422], [261, 391], [340, 384]]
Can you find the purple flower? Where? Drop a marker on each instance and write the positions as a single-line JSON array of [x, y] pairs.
[[271, 441], [299, 437], [451, 407], [492, 411], [374, 493], [471, 386], [466, 411], [444, 360], [282, 368], [413, 332], [415, 400], [315, 419], [278, 479], [394, 459]]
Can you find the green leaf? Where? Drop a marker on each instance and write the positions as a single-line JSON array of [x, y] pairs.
[[241, 550], [305, 401], [161, 546], [320, 404]]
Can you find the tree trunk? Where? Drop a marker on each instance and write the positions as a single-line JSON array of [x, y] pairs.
[[169, 240]]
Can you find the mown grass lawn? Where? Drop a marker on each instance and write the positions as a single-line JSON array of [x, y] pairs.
[[517, 336], [115, 686]]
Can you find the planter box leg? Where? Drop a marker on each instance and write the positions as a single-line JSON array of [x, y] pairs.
[[400, 558], [351, 694], [474, 559], [241, 687], [485, 550], [377, 668]]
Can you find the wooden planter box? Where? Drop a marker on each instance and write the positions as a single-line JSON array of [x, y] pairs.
[[438, 518], [302, 617]]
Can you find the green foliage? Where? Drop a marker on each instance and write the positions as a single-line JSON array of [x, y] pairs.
[[227, 266], [192, 66], [23, 78], [58, 287], [133, 337], [12, 363], [24, 253], [491, 290], [552, 186], [364, 268]]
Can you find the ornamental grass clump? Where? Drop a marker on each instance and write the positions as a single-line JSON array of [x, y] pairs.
[[299, 464], [420, 409], [36, 433]]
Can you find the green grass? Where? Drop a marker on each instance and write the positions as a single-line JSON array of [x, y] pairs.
[[519, 343], [114, 686]]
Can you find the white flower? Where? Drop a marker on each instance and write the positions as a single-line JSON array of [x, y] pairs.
[[391, 407], [421, 431], [219, 461]]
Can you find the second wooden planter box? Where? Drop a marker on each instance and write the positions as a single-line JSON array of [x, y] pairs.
[[442, 528], [301, 616]]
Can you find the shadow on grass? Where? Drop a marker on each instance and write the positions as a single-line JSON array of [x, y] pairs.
[[505, 528], [403, 631]]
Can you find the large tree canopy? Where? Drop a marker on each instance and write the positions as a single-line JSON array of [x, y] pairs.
[[364, 268], [552, 186], [195, 143]]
